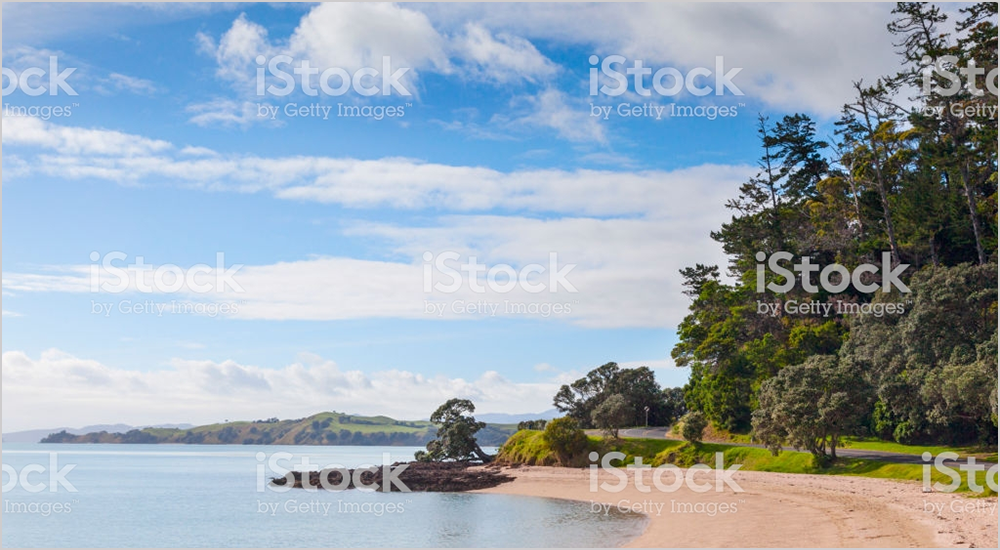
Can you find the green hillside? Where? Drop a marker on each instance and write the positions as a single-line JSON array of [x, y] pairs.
[[328, 428]]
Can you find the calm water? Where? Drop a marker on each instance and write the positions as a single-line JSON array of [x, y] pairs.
[[207, 495]]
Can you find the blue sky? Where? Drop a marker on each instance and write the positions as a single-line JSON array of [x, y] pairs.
[[497, 156]]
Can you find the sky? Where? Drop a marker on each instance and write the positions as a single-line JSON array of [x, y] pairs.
[[301, 235]]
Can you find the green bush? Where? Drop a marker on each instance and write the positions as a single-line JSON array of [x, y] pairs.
[[694, 427], [566, 439]]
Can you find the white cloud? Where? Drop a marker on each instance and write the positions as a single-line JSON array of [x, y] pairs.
[[57, 388], [794, 55], [350, 36], [389, 182], [82, 77], [121, 82], [625, 274], [236, 50], [555, 110], [224, 112], [619, 228], [66, 140], [356, 35], [502, 58]]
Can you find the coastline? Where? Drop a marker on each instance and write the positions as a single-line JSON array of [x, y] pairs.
[[778, 510]]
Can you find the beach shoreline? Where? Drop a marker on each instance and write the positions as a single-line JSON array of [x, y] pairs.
[[776, 510]]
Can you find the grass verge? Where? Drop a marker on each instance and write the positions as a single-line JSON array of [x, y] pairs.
[[528, 447]]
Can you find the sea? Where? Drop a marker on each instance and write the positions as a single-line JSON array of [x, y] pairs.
[[72, 495]]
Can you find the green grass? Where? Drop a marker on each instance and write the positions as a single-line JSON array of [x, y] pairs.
[[528, 447], [893, 447], [761, 460]]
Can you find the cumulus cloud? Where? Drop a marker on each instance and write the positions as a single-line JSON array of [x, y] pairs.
[[794, 56], [348, 36], [56, 388]]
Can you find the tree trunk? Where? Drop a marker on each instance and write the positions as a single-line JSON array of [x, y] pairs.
[[482, 455], [971, 200]]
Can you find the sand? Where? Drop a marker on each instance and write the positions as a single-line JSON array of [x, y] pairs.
[[779, 510]]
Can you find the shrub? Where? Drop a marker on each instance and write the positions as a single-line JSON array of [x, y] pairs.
[[565, 438], [694, 427], [611, 415]]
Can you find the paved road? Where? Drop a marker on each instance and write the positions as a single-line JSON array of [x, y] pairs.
[[881, 456]]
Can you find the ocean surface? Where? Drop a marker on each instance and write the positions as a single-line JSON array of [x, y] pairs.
[[218, 496]]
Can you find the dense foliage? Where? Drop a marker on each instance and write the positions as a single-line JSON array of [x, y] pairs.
[[611, 415], [456, 434], [636, 387], [919, 183], [694, 426], [566, 439]]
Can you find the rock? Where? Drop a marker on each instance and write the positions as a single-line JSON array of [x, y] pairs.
[[437, 477]]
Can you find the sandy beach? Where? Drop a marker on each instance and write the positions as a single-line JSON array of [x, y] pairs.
[[779, 510]]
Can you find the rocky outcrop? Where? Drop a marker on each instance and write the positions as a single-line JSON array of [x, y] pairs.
[[440, 477]]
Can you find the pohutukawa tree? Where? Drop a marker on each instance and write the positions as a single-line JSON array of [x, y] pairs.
[[456, 434]]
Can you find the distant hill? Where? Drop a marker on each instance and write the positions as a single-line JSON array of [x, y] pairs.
[[35, 436], [329, 428], [500, 418]]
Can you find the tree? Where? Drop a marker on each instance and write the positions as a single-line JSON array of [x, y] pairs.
[[694, 427], [637, 386], [919, 181], [565, 438], [923, 365], [674, 401], [612, 415], [456, 434], [531, 425], [811, 406]]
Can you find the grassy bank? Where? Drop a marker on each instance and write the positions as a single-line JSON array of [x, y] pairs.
[[529, 447], [988, 453]]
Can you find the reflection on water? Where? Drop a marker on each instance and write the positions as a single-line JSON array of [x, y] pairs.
[[183, 495]]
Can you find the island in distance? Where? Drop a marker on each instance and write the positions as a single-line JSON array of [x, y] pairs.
[[328, 428]]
